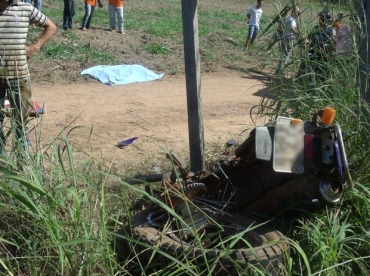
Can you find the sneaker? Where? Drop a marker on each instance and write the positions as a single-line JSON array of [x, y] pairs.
[[121, 32], [83, 29], [113, 31]]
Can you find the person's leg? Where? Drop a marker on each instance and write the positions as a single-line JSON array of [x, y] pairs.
[[255, 33], [86, 16], [112, 17], [3, 88], [20, 97], [27, 1], [37, 4], [121, 25], [88, 24], [66, 13], [286, 48], [72, 12], [250, 35]]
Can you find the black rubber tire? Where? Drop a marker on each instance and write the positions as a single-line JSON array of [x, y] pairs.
[[270, 255]]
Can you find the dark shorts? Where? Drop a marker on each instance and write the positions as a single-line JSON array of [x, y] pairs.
[[11, 89], [253, 31]]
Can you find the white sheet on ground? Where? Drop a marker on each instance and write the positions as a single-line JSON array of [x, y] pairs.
[[121, 74]]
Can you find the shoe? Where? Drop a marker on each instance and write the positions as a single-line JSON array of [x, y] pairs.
[[113, 31], [121, 32], [83, 29]]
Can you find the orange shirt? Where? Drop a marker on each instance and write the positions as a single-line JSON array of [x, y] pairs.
[[116, 3], [337, 25], [91, 2]]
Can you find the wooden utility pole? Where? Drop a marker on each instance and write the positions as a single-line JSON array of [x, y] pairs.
[[364, 74], [193, 87]]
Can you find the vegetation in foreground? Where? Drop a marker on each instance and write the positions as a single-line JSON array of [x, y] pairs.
[[62, 216]]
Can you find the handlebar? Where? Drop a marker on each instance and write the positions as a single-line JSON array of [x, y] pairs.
[[338, 133]]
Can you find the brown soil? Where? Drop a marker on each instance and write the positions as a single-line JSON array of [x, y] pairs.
[[155, 112], [217, 50]]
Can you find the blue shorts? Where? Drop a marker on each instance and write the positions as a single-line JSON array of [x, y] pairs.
[[253, 31]]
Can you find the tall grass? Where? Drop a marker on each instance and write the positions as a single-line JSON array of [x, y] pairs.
[[335, 242], [66, 216], [53, 215]]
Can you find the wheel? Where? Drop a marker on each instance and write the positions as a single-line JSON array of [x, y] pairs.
[[268, 249]]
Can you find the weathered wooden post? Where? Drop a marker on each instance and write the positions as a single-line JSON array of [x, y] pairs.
[[193, 85]]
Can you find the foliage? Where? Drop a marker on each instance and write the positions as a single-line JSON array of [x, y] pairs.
[[63, 215], [336, 242]]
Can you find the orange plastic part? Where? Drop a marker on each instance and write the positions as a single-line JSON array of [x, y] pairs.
[[328, 115], [296, 122]]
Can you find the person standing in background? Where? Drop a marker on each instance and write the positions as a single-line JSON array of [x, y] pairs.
[[116, 7], [89, 11], [322, 46], [346, 39], [278, 34], [337, 24], [68, 13], [15, 84], [289, 34], [254, 16], [36, 3]]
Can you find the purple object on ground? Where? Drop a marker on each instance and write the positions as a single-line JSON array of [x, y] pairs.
[[127, 142], [231, 142]]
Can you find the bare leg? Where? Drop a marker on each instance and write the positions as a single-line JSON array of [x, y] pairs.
[[247, 43]]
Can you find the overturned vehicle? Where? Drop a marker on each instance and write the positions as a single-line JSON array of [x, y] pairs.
[[289, 167]]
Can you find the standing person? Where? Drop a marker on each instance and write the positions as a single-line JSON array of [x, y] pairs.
[[89, 11], [68, 13], [322, 45], [345, 38], [116, 7], [337, 25], [322, 37], [277, 35], [36, 3], [15, 19], [254, 16], [289, 33]]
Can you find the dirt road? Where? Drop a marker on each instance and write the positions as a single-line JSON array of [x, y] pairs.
[[155, 112]]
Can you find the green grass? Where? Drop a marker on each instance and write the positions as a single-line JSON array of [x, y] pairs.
[[335, 242], [64, 212], [79, 52], [156, 49]]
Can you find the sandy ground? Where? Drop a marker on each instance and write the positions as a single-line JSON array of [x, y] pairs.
[[155, 112]]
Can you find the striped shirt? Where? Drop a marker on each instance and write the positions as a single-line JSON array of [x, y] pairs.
[[14, 23]]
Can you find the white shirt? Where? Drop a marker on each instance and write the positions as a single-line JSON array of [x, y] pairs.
[[289, 25], [255, 14]]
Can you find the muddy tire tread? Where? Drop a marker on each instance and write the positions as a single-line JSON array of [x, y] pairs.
[[271, 255]]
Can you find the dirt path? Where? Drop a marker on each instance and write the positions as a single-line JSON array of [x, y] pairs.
[[155, 112]]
